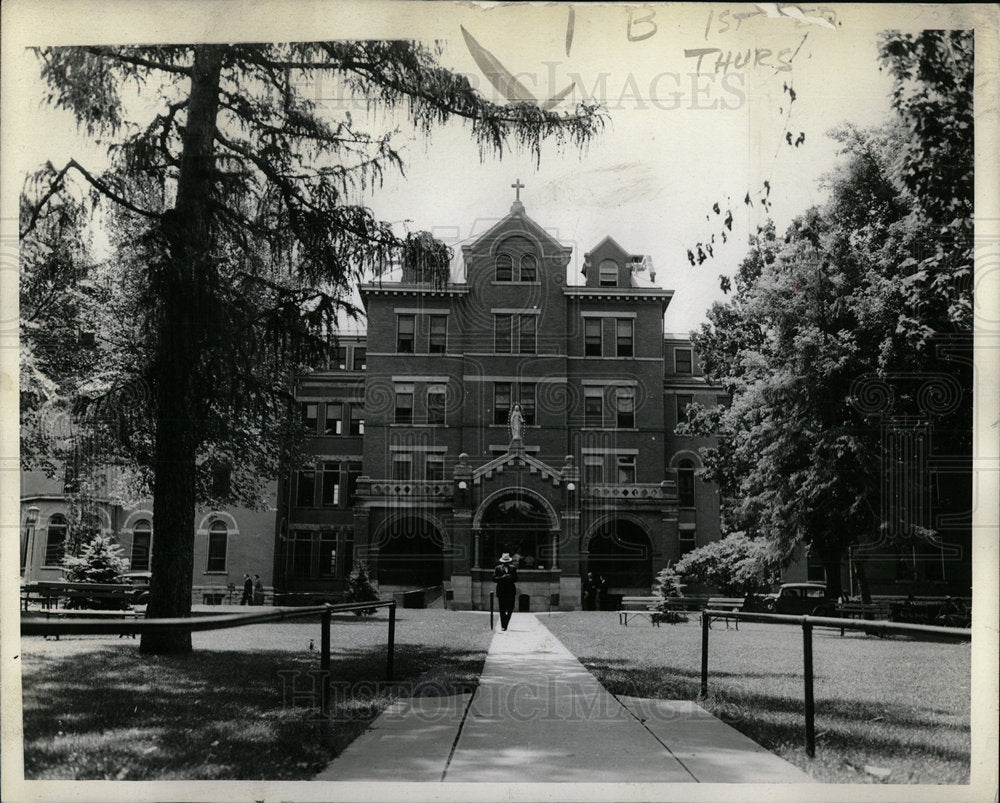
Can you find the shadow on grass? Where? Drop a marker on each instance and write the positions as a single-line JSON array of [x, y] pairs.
[[109, 714], [908, 732]]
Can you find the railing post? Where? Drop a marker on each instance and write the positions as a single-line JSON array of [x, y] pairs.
[[807, 661], [324, 661], [491, 609], [704, 655], [391, 649]]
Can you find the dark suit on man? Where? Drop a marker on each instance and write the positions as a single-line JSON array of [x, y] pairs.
[[505, 576]]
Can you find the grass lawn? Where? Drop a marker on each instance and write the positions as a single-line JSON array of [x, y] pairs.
[[893, 704], [94, 708]]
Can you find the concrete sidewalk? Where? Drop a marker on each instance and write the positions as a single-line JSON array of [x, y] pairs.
[[539, 716]]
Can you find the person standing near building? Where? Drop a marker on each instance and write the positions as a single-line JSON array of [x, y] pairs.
[[247, 598], [258, 590], [505, 577]]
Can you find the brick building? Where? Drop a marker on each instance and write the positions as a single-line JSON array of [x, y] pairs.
[[414, 467]]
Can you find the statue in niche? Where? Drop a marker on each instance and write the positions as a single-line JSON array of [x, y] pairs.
[[516, 423]]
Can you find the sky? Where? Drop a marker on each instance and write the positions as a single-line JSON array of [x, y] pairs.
[[696, 105]]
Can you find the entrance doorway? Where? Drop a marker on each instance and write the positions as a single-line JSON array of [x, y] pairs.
[[621, 551], [519, 525], [411, 554]]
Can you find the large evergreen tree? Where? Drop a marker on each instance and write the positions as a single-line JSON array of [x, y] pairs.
[[243, 197]]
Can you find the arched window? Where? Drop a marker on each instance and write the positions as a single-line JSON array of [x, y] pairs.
[[529, 268], [608, 273], [685, 483], [505, 268], [142, 543], [55, 542], [218, 541]]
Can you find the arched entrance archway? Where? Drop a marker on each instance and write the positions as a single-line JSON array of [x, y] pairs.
[[517, 522], [410, 553], [622, 552]]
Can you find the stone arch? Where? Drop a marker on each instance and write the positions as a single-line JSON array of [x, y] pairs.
[[620, 547], [378, 534], [606, 519], [410, 549], [477, 520], [685, 454], [136, 515], [217, 515]]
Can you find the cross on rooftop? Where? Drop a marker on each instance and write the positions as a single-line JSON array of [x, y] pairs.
[[518, 186]]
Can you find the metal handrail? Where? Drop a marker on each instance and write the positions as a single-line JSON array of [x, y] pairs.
[[877, 626], [83, 626]]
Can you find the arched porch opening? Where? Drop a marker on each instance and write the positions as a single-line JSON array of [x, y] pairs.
[[519, 523], [410, 553], [621, 551]]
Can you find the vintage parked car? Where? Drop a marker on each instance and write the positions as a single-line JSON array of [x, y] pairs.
[[141, 582], [800, 599]]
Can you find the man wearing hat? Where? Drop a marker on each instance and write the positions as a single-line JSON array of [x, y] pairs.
[[505, 576]]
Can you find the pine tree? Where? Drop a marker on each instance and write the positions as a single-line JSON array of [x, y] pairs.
[[100, 559]]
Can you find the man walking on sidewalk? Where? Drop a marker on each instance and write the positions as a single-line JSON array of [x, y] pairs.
[[505, 576]]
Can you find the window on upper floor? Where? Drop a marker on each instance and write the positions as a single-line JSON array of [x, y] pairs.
[[505, 268], [406, 326], [438, 340], [682, 361], [624, 337], [526, 398], [593, 469], [310, 417], [334, 419], [402, 467], [360, 353], [436, 396], [434, 467], [608, 273], [683, 401], [626, 469], [527, 336], [501, 403], [592, 337], [357, 419], [625, 408], [723, 400], [404, 404], [685, 483], [305, 488], [353, 473], [529, 268], [593, 407], [331, 484], [503, 333], [687, 540], [338, 358]]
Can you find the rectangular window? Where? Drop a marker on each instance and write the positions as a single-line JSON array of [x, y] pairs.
[[683, 400], [609, 274], [334, 419], [327, 554], [359, 358], [526, 338], [55, 542], [353, 473], [404, 405], [593, 469], [682, 361], [141, 542], [626, 469], [625, 337], [405, 328], [687, 541], [593, 407], [625, 408], [434, 467], [218, 539], [438, 342], [347, 559], [526, 396], [592, 337], [310, 415], [501, 403], [299, 553], [722, 401], [305, 489], [331, 484], [339, 356], [435, 404], [357, 419], [502, 338], [402, 467]]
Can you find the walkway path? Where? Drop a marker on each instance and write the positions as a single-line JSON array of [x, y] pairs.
[[539, 715]]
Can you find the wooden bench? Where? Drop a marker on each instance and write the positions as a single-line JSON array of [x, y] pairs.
[[729, 604], [91, 614], [640, 606], [42, 594], [861, 610]]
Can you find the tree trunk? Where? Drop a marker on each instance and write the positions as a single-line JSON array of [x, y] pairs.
[[830, 556], [184, 317]]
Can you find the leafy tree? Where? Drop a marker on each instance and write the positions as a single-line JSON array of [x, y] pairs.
[[242, 193], [864, 297], [735, 565]]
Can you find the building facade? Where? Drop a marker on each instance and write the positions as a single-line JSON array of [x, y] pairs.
[[506, 411]]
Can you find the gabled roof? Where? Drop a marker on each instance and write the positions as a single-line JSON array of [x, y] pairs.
[[518, 215], [516, 458]]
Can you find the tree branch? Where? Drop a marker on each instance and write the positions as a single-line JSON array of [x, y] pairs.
[[137, 61]]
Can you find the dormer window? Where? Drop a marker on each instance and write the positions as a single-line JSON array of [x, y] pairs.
[[608, 273], [529, 268], [505, 268]]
